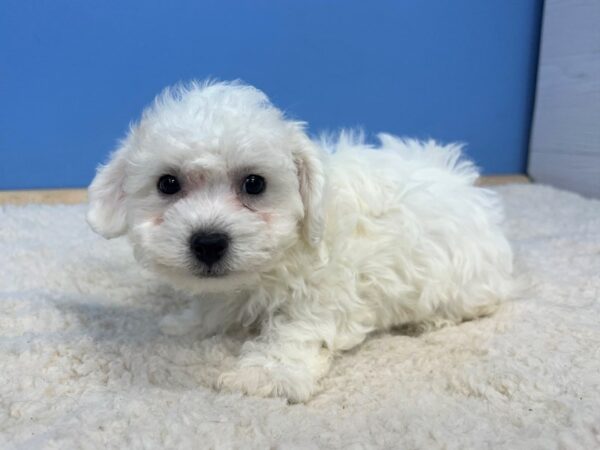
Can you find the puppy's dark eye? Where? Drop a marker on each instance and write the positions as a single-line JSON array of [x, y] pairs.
[[254, 185], [168, 185]]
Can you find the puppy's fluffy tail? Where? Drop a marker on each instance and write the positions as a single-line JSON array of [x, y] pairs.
[[432, 153]]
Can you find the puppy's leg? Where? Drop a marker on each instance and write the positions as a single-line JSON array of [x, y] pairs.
[[204, 317], [283, 362]]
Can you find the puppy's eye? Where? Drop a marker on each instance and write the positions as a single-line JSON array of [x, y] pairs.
[[168, 185], [254, 185]]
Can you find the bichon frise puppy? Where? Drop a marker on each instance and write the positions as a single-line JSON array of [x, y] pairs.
[[316, 243]]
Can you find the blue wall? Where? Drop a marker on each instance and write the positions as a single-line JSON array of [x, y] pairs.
[[73, 74]]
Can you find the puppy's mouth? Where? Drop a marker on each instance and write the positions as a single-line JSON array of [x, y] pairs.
[[231, 278], [211, 273], [217, 271]]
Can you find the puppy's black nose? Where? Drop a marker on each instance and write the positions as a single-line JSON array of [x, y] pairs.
[[209, 247]]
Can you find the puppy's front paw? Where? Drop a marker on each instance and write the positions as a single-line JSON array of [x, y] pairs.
[[263, 382]]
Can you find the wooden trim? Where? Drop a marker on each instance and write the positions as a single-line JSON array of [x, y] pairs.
[[495, 180], [47, 196], [73, 196]]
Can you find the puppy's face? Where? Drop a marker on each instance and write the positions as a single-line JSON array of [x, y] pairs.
[[212, 187]]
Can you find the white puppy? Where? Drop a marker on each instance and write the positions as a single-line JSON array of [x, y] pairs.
[[316, 243]]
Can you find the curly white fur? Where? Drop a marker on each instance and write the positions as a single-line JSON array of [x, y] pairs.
[[345, 240]]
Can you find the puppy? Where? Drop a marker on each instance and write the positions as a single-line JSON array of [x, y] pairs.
[[316, 243]]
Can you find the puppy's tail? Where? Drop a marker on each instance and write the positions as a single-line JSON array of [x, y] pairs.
[[432, 154]]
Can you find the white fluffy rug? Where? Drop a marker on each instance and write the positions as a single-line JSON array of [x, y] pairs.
[[83, 365]]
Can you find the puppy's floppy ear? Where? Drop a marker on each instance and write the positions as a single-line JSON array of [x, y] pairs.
[[106, 197], [307, 156]]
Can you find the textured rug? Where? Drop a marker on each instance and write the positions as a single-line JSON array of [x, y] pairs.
[[83, 364]]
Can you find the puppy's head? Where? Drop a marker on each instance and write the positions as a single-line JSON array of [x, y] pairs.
[[212, 186]]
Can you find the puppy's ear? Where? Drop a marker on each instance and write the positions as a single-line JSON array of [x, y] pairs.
[[106, 197], [312, 185]]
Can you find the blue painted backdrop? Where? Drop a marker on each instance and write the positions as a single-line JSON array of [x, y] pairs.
[[73, 74]]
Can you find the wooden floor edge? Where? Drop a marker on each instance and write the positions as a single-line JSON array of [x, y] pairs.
[[46, 196], [73, 196], [495, 180]]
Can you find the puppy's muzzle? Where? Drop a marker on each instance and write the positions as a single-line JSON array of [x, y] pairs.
[[209, 248]]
